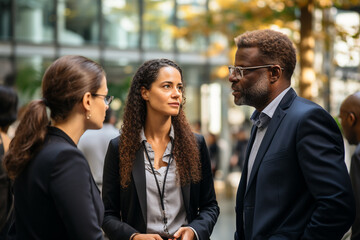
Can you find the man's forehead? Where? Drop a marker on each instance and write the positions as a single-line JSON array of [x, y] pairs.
[[247, 54]]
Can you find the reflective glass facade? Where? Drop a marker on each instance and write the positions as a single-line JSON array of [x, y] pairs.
[[185, 9], [78, 22], [119, 34], [34, 21], [5, 19], [159, 17], [121, 23]]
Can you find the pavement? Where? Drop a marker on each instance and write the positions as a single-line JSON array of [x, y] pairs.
[[225, 226]]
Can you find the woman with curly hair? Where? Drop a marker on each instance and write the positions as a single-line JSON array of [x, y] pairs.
[[157, 175], [55, 194]]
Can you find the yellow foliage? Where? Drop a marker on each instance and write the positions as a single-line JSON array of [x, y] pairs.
[[225, 3], [187, 12], [215, 49], [302, 3], [325, 3], [279, 23], [221, 72], [232, 53], [179, 32]]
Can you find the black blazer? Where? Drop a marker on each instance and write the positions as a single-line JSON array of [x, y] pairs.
[[299, 187], [56, 196], [125, 209], [355, 181]]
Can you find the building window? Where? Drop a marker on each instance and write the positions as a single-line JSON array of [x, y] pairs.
[[121, 23], [5, 19], [187, 10], [158, 28], [78, 22], [34, 21]]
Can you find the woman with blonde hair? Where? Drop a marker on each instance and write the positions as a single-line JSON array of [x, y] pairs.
[[55, 194]]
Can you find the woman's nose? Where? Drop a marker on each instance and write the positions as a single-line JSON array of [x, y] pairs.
[[176, 92]]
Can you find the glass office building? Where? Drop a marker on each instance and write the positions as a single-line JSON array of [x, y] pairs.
[[122, 34], [119, 34]]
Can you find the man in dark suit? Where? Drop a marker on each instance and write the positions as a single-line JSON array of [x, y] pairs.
[[350, 122], [295, 184]]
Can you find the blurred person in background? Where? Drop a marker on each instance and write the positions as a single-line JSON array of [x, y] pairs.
[[350, 121], [214, 152], [238, 155], [8, 114], [295, 183], [157, 174], [196, 126], [94, 143], [55, 194]]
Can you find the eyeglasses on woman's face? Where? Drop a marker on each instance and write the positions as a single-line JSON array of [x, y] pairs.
[[107, 99]]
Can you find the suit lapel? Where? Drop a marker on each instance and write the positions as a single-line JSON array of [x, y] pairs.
[[242, 185], [248, 150], [138, 172], [274, 124], [186, 197]]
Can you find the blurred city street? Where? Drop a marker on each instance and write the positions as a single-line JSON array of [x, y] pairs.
[[225, 195], [225, 226]]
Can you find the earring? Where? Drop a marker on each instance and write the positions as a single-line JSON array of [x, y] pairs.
[[88, 116]]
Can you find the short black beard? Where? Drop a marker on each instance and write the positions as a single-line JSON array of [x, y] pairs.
[[257, 96]]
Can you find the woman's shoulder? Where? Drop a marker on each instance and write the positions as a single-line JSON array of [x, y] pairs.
[[199, 137], [200, 140], [56, 148], [115, 140]]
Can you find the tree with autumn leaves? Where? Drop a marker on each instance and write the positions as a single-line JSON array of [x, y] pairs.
[[233, 17]]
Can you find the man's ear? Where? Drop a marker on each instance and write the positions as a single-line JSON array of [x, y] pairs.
[[275, 73], [86, 101], [144, 93], [352, 119]]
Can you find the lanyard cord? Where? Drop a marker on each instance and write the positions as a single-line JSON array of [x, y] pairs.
[[161, 194]]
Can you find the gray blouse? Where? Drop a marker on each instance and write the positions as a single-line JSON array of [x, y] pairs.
[[173, 199]]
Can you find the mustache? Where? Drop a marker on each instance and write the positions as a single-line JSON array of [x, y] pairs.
[[233, 87]]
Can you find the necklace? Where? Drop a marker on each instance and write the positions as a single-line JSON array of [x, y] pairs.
[[161, 193]]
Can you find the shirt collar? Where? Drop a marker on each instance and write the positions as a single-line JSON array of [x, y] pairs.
[[262, 119]]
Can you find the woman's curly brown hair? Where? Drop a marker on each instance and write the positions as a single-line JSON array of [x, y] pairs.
[[185, 152]]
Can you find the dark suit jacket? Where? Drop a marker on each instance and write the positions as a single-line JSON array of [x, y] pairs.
[[56, 196], [299, 187], [125, 209], [355, 181]]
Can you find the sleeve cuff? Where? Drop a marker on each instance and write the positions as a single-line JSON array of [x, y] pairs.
[[196, 235], [133, 235]]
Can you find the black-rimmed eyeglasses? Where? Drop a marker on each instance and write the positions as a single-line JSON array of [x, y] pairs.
[[239, 71], [107, 99]]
